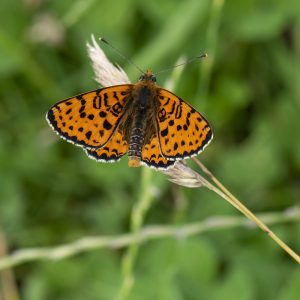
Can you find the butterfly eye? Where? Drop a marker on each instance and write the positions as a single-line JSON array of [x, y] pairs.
[[153, 78], [142, 77]]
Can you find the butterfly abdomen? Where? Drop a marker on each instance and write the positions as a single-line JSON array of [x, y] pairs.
[[136, 142], [142, 98]]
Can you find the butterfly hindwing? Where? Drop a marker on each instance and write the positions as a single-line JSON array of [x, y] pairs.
[[90, 119], [112, 151], [182, 131], [152, 157]]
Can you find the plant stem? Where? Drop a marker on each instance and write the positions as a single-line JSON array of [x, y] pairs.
[[76, 11], [211, 43], [137, 217], [146, 234], [225, 194], [8, 284]]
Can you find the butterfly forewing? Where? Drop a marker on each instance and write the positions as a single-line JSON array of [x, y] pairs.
[[90, 119], [182, 131], [112, 151]]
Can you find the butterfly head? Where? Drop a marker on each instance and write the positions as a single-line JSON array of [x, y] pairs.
[[148, 76]]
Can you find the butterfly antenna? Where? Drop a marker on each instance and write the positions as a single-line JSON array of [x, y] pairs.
[[204, 55], [120, 54]]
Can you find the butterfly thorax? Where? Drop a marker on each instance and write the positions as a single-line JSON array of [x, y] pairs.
[[143, 94]]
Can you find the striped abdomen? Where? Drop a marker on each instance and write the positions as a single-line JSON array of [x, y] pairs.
[[136, 139]]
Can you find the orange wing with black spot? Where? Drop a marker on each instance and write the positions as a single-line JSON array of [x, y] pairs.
[[182, 131], [112, 151], [152, 157], [90, 119]]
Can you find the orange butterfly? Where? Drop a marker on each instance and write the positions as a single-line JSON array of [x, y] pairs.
[[151, 124]]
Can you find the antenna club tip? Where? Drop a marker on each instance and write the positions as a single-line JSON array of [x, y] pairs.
[[103, 40], [204, 55]]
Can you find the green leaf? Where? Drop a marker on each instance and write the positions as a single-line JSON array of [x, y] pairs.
[[260, 25], [237, 285], [180, 23], [291, 290], [197, 266]]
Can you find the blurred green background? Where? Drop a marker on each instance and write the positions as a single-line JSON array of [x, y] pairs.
[[249, 90]]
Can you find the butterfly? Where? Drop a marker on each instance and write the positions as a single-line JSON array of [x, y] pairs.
[[151, 124]]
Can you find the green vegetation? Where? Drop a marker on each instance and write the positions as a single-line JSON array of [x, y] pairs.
[[51, 193]]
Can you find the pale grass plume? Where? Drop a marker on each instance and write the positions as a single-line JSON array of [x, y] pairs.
[[106, 74], [182, 174]]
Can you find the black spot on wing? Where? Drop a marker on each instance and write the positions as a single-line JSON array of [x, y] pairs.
[[164, 132], [102, 114], [107, 125], [88, 134]]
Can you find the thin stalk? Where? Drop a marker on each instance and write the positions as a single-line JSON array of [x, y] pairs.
[[9, 289], [211, 45], [137, 218], [225, 194], [146, 234], [76, 11]]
